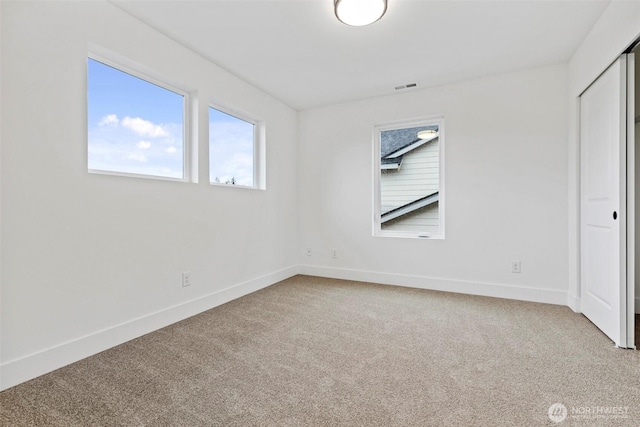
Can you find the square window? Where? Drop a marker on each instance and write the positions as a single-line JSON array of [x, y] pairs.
[[232, 148], [135, 127], [409, 198]]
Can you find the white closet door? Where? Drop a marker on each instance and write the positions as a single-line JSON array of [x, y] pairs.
[[603, 203]]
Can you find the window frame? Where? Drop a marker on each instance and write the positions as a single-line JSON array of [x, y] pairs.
[[377, 230], [259, 142], [119, 63]]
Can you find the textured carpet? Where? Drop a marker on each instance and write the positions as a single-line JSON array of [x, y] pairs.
[[319, 352]]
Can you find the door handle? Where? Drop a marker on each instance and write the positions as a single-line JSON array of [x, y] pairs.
[[615, 215]]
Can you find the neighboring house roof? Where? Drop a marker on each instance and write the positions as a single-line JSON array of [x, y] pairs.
[[409, 207], [395, 143]]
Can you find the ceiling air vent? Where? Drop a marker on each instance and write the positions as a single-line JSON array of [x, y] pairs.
[[407, 86]]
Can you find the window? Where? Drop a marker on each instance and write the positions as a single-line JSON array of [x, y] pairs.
[[135, 126], [408, 184], [233, 143]]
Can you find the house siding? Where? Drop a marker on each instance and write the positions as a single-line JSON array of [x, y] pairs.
[[417, 177], [421, 221]]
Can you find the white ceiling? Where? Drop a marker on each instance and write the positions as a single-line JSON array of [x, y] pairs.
[[300, 53]]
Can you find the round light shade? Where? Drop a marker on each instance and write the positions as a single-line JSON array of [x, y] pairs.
[[360, 12], [426, 134]]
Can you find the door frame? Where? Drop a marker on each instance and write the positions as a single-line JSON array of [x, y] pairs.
[[631, 200]]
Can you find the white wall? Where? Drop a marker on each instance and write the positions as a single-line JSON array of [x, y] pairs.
[[90, 261], [505, 184], [1, 226], [614, 32]]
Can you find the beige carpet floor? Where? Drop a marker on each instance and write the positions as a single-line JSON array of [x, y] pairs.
[[319, 352]]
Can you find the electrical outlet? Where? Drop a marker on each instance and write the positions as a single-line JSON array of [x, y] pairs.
[[309, 252], [186, 279], [334, 253], [516, 267]]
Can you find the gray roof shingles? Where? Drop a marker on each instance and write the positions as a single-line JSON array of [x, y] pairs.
[[397, 139]]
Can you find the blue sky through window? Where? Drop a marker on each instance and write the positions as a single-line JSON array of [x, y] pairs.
[[133, 126], [231, 148]]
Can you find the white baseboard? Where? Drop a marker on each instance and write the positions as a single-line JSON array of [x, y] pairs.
[[498, 290], [573, 302], [33, 365]]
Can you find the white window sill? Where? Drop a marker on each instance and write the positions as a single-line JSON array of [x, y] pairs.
[[409, 235]]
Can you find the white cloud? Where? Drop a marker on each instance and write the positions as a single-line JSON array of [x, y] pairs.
[[109, 120], [137, 157], [143, 145], [170, 150], [144, 127]]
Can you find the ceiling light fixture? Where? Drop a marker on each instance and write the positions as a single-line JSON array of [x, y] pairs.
[[358, 13]]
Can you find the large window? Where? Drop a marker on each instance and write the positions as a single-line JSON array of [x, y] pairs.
[[135, 126], [409, 172], [233, 143]]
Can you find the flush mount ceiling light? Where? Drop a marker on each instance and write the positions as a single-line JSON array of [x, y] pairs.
[[359, 12], [426, 134]]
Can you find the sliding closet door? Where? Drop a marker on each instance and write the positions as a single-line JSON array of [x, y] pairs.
[[603, 202]]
